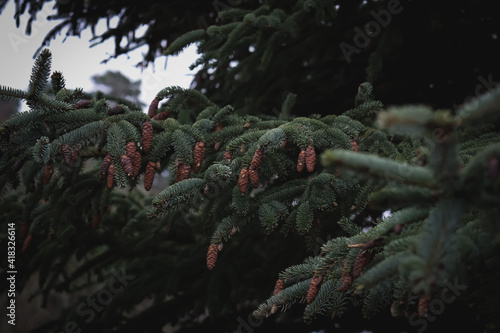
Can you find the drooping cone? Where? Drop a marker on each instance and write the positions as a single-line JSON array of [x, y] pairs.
[[310, 158], [118, 109], [253, 175], [27, 242], [96, 220], [153, 107], [136, 163], [301, 161], [162, 115], [314, 286], [198, 156], [182, 173], [278, 287], [111, 176], [66, 151], [127, 165], [130, 149], [47, 173], [423, 305], [149, 175], [283, 144], [147, 135], [233, 231], [105, 166], [354, 145], [212, 256], [243, 180], [364, 257], [75, 154], [25, 228], [218, 127], [227, 156], [83, 104], [346, 278], [257, 158]]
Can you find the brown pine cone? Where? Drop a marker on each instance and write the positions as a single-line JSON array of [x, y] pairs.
[[283, 144], [47, 173], [362, 259], [75, 154], [130, 150], [354, 145], [161, 116], [149, 175], [346, 278], [147, 135], [301, 161], [198, 156], [253, 175], [105, 166], [212, 256], [27, 242], [127, 165], [243, 180], [314, 286], [182, 173], [66, 151], [310, 158], [257, 158], [116, 110], [136, 163], [278, 287], [83, 104], [111, 176], [227, 156], [25, 228], [423, 305], [153, 107]]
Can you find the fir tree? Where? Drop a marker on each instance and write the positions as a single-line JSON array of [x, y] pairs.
[[256, 201]]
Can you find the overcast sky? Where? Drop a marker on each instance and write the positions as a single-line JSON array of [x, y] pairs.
[[77, 61]]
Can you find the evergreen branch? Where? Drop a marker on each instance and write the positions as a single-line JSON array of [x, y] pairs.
[[12, 94], [284, 300], [379, 167], [40, 73], [183, 41], [482, 110]]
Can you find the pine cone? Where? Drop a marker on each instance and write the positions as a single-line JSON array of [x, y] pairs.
[[96, 221], [75, 154], [47, 174], [212, 256], [364, 257], [111, 176], [149, 175], [313, 290], [423, 305], [116, 110], [278, 287], [233, 231], [83, 104], [243, 180], [257, 158], [27, 242], [227, 156], [198, 156], [105, 166], [310, 158], [182, 173], [153, 107], [147, 135], [25, 228], [127, 165], [354, 145], [131, 149], [283, 144], [161, 116], [346, 278], [136, 163], [66, 151], [253, 175], [301, 161]]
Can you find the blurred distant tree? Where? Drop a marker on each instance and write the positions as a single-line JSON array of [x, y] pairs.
[[118, 85], [7, 109]]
